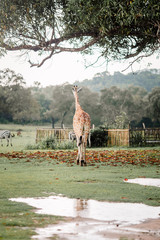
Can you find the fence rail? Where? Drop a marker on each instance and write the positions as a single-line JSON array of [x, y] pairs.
[[60, 134], [116, 137], [144, 137]]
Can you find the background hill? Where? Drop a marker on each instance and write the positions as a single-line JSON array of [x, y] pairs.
[[147, 79], [113, 101]]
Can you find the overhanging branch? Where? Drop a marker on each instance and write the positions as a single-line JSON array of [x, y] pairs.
[[57, 49], [140, 57]]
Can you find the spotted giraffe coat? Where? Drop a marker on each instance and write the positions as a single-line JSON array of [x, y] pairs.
[[81, 122]]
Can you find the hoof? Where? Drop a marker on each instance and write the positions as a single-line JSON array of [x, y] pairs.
[[83, 163]]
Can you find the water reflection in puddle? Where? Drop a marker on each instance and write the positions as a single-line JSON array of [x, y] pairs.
[[75, 230], [79, 230], [123, 213], [91, 218]]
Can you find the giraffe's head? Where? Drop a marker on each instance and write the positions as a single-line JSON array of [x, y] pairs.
[[75, 89]]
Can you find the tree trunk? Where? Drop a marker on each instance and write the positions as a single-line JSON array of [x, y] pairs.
[[62, 122], [53, 121]]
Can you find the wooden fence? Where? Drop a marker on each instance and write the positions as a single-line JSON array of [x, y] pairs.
[[60, 134], [144, 137], [116, 137], [134, 137]]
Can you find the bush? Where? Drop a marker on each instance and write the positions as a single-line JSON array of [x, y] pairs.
[[51, 143], [136, 139], [65, 145], [99, 137]]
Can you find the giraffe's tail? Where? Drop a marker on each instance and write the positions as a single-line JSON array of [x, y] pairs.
[[80, 141]]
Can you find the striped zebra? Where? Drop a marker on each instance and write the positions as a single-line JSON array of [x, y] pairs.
[[72, 137], [5, 134]]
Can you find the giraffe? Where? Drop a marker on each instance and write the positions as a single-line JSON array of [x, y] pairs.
[[81, 127]]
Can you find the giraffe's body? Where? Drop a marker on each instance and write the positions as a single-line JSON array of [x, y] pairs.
[[81, 127]]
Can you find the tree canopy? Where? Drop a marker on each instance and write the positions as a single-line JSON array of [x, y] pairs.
[[16, 101], [119, 29]]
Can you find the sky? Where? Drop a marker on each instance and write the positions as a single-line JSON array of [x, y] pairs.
[[69, 67]]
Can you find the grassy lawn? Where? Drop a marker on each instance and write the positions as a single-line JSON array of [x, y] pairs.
[[28, 136], [39, 173]]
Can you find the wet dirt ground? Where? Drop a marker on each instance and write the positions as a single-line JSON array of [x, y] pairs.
[[96, 220], [87, 229]]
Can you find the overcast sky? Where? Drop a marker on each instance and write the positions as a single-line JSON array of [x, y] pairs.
[[69, 67]]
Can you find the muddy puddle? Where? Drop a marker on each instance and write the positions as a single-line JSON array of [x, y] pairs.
[[91, 219], [120, 213]]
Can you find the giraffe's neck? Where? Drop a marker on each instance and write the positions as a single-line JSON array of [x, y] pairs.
[[78, 107]]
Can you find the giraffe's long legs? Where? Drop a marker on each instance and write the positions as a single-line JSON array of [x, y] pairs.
[[84, 155], [78, 155], [83, 160], [81, 155]]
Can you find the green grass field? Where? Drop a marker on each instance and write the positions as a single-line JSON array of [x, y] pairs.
[[28, 136], [40, 173]]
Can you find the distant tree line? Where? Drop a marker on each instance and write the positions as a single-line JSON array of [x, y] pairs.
[[17, 104], [112, 107], [147, 79]]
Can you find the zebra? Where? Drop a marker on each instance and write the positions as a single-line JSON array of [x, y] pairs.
[[6, 135], [72, 137]]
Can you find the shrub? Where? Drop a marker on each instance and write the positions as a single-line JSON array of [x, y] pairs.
[[65, 145], [51, 143], [99, 137]]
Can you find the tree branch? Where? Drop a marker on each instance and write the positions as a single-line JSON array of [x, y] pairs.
[[63, 49], [45, 59], [79, 49], [140, 57]]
